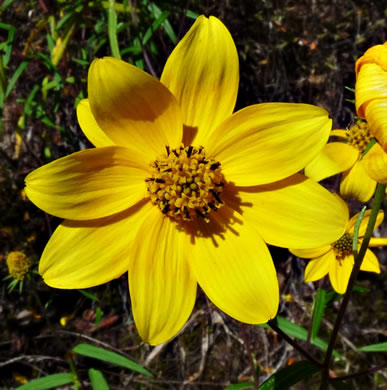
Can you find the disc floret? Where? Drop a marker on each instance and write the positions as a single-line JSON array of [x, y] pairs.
[[343, 246], [185, 183], [359, 135]]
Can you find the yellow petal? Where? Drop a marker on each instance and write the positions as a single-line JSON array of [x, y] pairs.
[[234, 268], [375, 164], [370, 263], [133, 108], [268, 142], [340, 133], [376, 115], [90, 184], [370, 85], [203, 74], [83, 254], [316, 269], [295, 213], [364, 222], [90, 127], [334, 158], [374, 55], [311, 253], [355, 183], [162, 290], [339, 273], [377, 241]]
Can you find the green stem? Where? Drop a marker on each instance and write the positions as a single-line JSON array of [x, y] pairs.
[[378, 201]]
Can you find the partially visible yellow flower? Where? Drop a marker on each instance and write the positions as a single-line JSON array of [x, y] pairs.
[[371, 91], [346, 157], [18, 264], [337, 260], [375, 164], [181, 191]]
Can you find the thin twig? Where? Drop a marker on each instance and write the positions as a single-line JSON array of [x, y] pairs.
[[378, 200], [293, 343], [360, 373]]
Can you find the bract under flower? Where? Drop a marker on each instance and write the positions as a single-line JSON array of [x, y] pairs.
[[204, 188]]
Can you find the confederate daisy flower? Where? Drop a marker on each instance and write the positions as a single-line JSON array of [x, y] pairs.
[[346, 157], [180, 191], [337, 260], [371, 91]]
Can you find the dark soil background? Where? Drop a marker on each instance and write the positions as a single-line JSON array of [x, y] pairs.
[[290, 51]]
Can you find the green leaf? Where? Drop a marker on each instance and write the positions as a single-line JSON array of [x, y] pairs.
[[5, 4], [112, 30], [381, 347], [89, 295], [318, 312], [349, 89], [289, 376], [156, 11], [356, 231], [48, 382], [155, 25], [98, 381], [192, 15], [65, 18], [29, 101], [238, 386], [7, 45], [110, 357], [331, 297], [15, 77], [297, 331]]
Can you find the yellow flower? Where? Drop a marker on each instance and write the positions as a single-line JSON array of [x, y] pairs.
[[346, 157], [336, 259], [371, 91], [375, 164], [180, 191], [18, 264]]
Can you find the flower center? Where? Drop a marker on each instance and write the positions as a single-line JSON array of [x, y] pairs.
[[185, 184], [359, 136], [343, 246], [18, 264]]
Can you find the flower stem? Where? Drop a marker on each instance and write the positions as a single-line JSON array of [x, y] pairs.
[[378, 201]]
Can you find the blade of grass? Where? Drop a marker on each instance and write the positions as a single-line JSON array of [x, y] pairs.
[[297, 331], [98, 381], [7, 45], [60, 46], [380, 347], [48, 382], [318, 312], [21, 68], [112, 30], [110, 357], [156, 12], [5, 4], [289, 376], [155, 25]]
